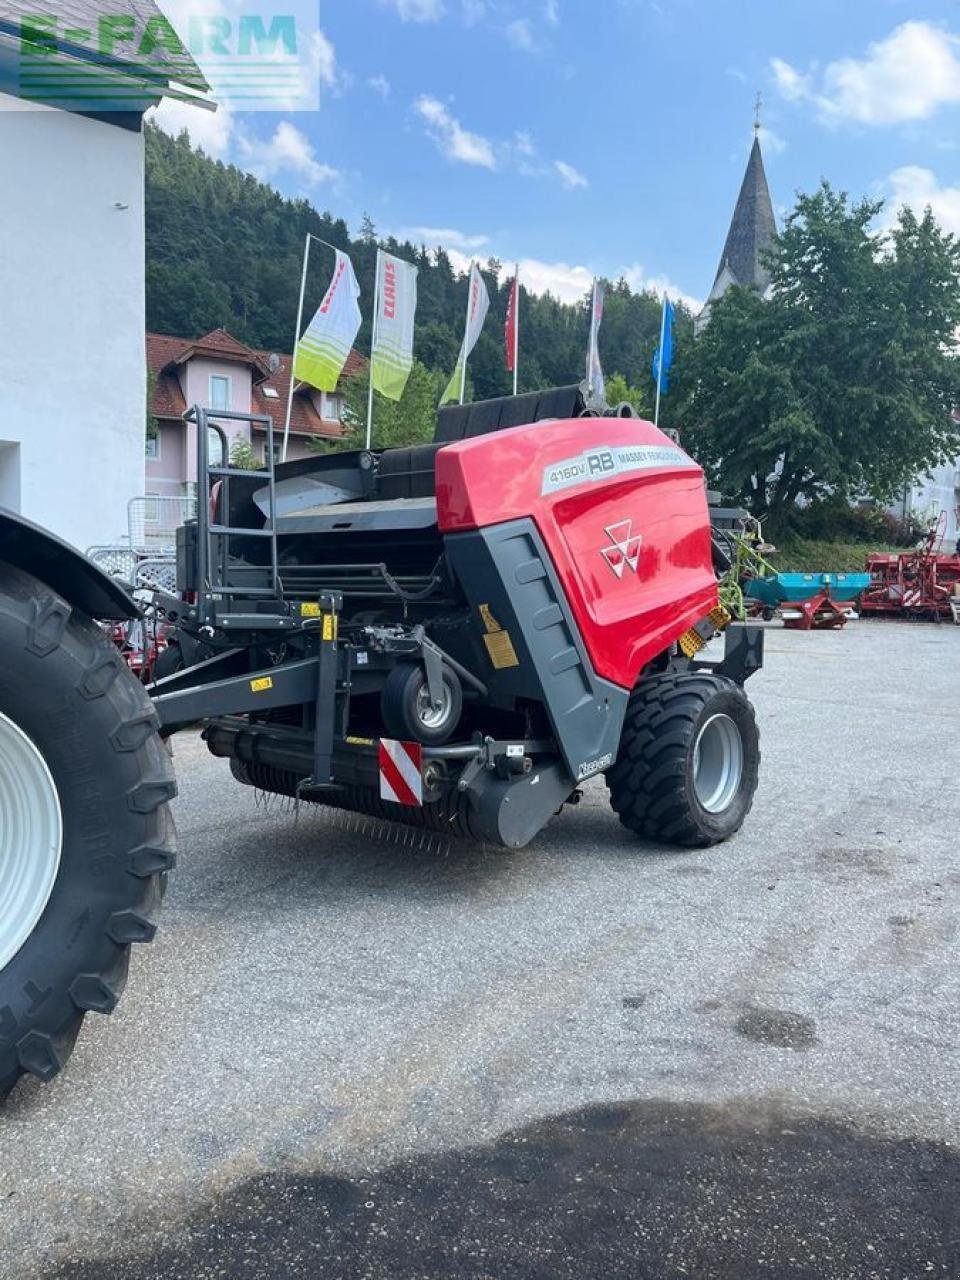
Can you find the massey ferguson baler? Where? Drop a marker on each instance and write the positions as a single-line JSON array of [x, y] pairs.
[[459, 634], [456, 635]]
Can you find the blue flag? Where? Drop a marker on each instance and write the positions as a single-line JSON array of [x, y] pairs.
[[663, 356]]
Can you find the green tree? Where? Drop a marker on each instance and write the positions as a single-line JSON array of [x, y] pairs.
[[243, 455], [619, 391], [410, 420], [843, 381]]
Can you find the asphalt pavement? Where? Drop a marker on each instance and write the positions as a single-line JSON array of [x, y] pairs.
[[347, 1057]]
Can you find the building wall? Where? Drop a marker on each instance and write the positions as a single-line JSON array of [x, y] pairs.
[[167, 473], [939, 493], [196, 381], [72, 310]]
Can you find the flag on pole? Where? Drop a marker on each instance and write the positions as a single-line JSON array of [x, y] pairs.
[[663, 356], [322, 351], [511, 331], [478, 304], [391, 356], [595, 383]]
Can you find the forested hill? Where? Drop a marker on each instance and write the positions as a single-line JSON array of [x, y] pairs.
[[226, 250]]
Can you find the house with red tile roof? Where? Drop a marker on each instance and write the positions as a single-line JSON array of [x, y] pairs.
[[218, 371]]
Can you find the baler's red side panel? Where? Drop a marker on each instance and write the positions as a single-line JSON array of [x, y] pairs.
[[623, 513]]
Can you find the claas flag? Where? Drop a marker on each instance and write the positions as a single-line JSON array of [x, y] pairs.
[[323, 350], [478, 304], [391, 356]]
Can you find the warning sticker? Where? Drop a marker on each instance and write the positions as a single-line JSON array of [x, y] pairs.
[[501, 650], [262, 685], [488, 620]]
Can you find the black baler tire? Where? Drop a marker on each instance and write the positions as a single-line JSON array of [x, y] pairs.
[[651, 783], [67, 688], [169, 662], [398, 705]]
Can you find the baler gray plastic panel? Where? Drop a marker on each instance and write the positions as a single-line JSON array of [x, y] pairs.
[[508, 568]]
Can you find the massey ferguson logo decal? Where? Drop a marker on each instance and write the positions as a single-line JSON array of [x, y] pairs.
[[624, 551], [603, 463]]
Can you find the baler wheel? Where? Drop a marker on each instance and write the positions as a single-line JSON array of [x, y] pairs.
[[689, 757], [86, 836], [407, 711]]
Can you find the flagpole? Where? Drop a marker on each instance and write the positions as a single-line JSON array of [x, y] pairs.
[[466, 331], [663, 331], [373, 338], [296, 343], [516, 330]]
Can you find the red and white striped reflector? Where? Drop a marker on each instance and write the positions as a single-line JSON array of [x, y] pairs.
[[401, 780]]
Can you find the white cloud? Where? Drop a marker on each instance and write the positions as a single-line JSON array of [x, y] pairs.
[[520, 35], [564, 280], [917, 187], [474, 11], [909, 75], [288, 152], [380, 84], [640, 281], [569, 176], [445, 236], [213, 131], [790, 82], [771, 141], [325, 61], [417, 10], [453, 141], [551, 11]]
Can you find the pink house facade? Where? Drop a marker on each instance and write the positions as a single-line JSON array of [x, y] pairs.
[[219, 372]]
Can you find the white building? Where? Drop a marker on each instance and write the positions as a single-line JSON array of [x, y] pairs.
[[930, 495], [72, 306]]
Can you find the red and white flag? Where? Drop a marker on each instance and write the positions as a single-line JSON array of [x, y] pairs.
[[512, 331]]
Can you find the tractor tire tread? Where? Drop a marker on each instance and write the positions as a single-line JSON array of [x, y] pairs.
[[43, 1007]]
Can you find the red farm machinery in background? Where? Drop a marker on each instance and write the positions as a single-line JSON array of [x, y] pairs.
[[922, 583]]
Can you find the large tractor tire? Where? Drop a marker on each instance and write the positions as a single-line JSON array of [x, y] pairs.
[[86, 836], [689, 757]]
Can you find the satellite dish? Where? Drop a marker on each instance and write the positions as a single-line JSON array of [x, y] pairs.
[[274, 363]]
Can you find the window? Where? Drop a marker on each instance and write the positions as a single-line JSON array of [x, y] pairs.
[[277, 453], [219, 392], [153, 447], [151, 509], [330, 407]]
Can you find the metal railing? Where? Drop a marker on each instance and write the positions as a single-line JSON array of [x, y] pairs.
[[154, 518], [213, 537]]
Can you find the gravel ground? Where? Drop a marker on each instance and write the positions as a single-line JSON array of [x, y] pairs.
[[344, 1057]]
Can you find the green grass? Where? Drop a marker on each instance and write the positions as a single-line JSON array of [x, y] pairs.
[[808, 555]]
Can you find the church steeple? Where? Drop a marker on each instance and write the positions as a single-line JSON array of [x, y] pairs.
[[752, 231]]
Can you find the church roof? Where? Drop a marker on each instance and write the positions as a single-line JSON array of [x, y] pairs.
[[752, 231]]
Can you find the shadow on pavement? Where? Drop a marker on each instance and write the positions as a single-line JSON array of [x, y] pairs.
[[642, 1189]]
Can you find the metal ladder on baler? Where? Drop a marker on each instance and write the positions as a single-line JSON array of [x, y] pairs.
[[213, 539]]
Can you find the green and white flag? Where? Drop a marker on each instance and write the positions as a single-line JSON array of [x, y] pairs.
[[391, 356], [478, 304], [322, 351]]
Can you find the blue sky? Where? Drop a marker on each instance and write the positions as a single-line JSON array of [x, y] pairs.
[[606, 137]]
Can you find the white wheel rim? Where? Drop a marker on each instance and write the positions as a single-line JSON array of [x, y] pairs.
[[717, 763], [31, 838], [432, 717]]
